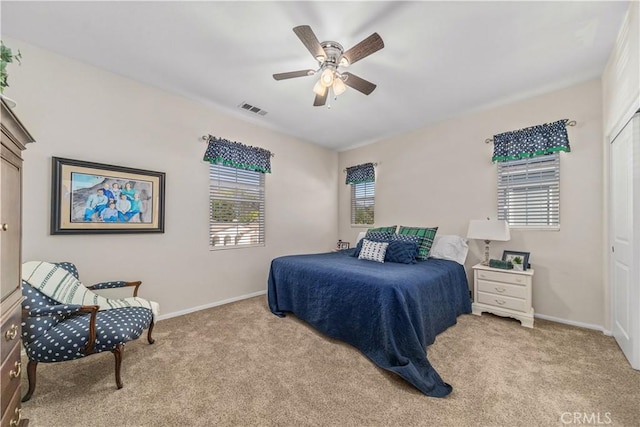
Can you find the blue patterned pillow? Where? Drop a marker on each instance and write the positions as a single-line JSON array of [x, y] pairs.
[[373, 251], [379, 235], [391, 229], [401, 252]]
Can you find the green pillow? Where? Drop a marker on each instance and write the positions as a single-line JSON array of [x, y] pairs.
[[391, 230], [425, 236]]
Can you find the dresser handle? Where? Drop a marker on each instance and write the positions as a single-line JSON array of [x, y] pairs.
[[11, 333], [501, 290], [500, 302], [519, 280], [15, 421], [15, 373], [5, 227]]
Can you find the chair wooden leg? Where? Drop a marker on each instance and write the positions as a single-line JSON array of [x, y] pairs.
[[151, 340], [31, 375], [117, 352]]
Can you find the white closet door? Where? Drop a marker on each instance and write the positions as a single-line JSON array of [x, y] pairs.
[[625, 227]]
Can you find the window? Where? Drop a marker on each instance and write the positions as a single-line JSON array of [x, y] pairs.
[[362, 203], [236, 207], [529, 192]]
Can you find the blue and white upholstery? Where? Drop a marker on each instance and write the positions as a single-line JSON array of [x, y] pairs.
[[54, 332]]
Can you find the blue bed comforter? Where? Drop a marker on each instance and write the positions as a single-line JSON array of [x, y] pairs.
[[391, 312]]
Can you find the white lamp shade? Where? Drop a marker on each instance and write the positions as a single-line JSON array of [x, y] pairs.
[[493, 230]]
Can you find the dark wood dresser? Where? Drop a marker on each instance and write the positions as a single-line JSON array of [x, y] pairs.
[[14, 140]]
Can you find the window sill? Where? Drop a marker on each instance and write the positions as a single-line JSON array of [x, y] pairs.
[[223, 248], [534, 228]]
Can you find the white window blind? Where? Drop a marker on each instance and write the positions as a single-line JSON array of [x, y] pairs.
[[362, 203], [236, 207], [529, 192]]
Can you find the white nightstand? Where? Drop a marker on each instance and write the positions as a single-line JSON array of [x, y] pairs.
[[503, 292]]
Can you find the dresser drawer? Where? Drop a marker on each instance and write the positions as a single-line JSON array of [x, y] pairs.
[[13, 412], [516, 291], [10, 332], [10, 374], [502, 301], [516, 279]]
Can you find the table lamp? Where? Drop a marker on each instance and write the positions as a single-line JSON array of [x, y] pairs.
[[488, 230]]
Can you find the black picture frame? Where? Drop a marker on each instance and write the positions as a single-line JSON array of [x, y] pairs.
[[343, 245], [509, 255], [78, 190]]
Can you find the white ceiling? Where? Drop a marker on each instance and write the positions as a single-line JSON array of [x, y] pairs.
[[441, 59]]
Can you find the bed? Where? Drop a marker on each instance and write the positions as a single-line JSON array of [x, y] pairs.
[[391, 312]]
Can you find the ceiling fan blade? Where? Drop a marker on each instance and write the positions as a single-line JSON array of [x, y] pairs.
[[359, 83], [321, 99], [309, 39], [292, 74], [366, 47]]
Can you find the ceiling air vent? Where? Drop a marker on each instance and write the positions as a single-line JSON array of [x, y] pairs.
[[252, 109]]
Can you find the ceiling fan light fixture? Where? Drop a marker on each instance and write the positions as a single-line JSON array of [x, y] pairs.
[[339, 87], [330, 56], [327, 77], [319, 89]]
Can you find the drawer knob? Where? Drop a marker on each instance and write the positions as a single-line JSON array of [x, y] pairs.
[[11, 333], [5, 227], [15, 373], [518, 279], [501, 290], [500, 302], [15, 421]]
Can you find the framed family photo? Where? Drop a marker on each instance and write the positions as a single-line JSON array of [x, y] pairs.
[[95, 198]]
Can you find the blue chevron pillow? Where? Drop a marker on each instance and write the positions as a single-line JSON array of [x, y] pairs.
[[401, 252]]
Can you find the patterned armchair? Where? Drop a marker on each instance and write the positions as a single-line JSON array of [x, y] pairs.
[[54, 332]]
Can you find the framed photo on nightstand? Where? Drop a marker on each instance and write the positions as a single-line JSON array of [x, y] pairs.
[[343, 245], [520, 260]]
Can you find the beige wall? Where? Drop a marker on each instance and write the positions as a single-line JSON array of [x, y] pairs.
[[442, 176], [80, 112]]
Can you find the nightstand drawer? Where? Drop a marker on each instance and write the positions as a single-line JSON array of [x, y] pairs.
[[516, 291], [516, 279], [502, 301]]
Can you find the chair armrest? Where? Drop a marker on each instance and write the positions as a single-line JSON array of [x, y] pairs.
[[93, 310], [67, 309], [52, 310], [116, 284]]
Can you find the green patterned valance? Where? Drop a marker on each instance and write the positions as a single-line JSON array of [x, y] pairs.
[[530, 142], [237, 155], [361, 173]]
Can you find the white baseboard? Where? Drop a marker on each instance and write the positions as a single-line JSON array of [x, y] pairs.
[[574, 323], [213, 304]]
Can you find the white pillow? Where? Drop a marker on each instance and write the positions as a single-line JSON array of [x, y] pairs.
[[360, 236], [373, 251], [449, 247]]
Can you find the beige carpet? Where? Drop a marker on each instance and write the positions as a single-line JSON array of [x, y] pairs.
[[240, 365]]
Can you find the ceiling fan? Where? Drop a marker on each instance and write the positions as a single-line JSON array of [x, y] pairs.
[[331, 57]]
